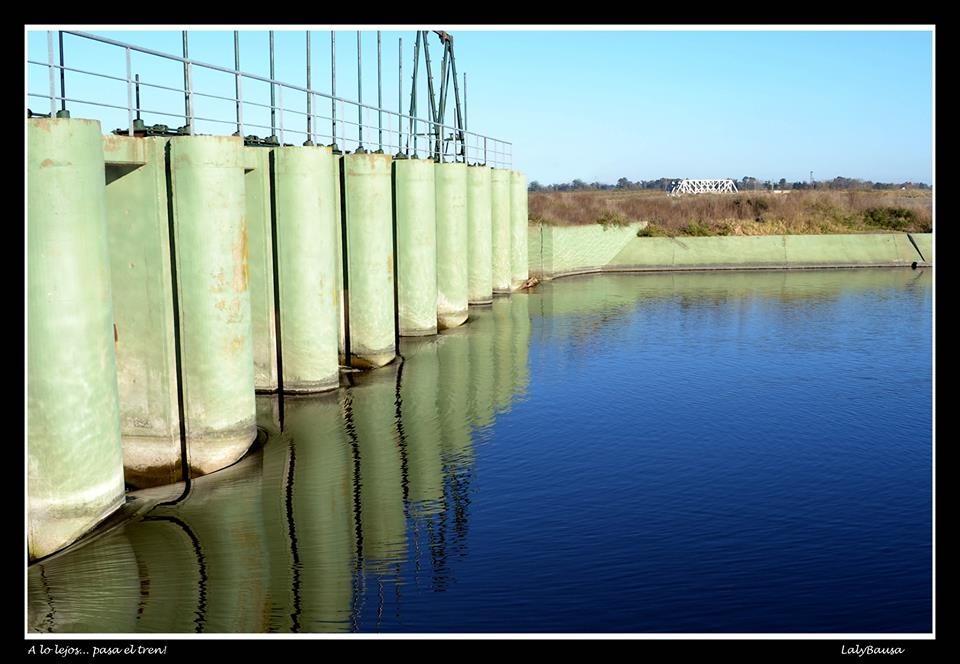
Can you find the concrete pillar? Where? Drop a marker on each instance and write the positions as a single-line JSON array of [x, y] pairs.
[[259, 213], [452, 252], [74, 455], [502, 230], [138, 230], [307, 268], [416, 227], [518, 226], [368, 204], [214, 297], [480, 236]]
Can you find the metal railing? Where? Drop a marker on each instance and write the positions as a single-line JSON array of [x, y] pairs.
[[298, 121]]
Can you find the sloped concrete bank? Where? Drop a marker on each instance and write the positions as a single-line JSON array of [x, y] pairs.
[[556, 251]]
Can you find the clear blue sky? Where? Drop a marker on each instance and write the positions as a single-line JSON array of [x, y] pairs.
[[598, 105]]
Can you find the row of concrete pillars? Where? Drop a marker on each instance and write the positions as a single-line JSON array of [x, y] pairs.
[[169, 279]]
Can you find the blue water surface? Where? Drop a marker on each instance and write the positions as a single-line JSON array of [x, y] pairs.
[[670, 453]]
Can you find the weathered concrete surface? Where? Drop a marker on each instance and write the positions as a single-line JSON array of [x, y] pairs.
[[207, 182], [257, 189], [74, 455], [142, 282]]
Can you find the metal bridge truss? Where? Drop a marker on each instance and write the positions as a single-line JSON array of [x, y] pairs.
[[686, 186]]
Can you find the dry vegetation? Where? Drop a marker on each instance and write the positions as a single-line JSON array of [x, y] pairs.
[[746, 213]]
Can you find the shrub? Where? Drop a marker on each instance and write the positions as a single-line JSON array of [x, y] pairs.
[[696, 228], [891, 218], [652, 230]]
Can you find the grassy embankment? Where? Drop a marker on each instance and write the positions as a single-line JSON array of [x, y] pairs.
[[747, 213]]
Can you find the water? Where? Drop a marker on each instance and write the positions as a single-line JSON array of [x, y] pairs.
[[674, 453]]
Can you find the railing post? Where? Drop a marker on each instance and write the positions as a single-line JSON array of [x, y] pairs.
[[236, 83], [53, 87], [309, 140], [187, 88], [129, 95]]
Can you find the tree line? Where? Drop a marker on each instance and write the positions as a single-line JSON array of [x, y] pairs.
[[746, 183]]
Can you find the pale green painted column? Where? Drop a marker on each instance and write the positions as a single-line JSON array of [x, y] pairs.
[[451, 244], [368, 203], [307, 268], [257, 187], [214, 297], [74, 455], [518, 225], [480, 240], [502, 230], [415, 195], [138, 231]]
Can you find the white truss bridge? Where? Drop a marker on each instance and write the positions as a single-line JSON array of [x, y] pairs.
[[703, 187]]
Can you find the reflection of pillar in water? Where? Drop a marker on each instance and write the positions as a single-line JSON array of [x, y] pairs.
[[320, 497], [420, 424], [502, 353], [279, 530], [95, 588], [455, 377], [224, 513], [370, 414], [173, 577], [453, 355], [520, 314], [481, 384]]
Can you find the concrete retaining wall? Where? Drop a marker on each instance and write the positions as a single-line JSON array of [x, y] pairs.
[[556, 251]]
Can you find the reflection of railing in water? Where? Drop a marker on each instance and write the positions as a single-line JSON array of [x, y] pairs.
[[309, 533]]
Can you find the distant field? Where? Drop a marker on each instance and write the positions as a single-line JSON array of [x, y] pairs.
[[746, 213]]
